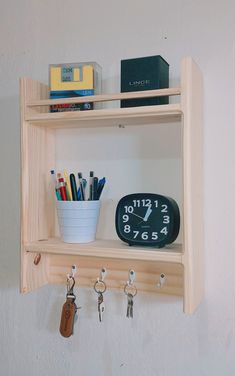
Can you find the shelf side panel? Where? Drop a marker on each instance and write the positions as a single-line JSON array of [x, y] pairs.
[[37, 158], [192, 97], [34, 276]]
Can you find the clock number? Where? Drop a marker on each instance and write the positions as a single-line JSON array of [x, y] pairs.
[[156, 203], [164, 231], [146, 202], [166, 219], [154, 236], [125, 218], [144, 235], [136, 234], [129, 209], [127, 229], [136, 203], [164, 209]]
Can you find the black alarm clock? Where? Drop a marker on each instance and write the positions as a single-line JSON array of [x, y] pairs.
[[147, 219]]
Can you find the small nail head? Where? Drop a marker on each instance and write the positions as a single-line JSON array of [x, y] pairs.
[[37, 259]]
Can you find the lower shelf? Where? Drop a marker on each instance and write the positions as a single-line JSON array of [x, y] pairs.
[[49, 261]]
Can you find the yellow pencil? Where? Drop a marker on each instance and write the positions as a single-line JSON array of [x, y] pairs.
[[68, 187]]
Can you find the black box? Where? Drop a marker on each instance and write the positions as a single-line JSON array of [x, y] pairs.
[[144, 73]]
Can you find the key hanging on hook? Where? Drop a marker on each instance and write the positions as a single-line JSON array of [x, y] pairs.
[[69, 308], [130, 291], [100, 288]]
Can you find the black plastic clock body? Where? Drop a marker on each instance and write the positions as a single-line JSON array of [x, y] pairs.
[[147, 219]]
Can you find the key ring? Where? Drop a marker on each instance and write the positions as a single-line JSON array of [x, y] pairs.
[[100, 286], [130, 289]]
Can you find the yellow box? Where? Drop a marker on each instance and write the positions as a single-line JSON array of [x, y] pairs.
[[74, 80]]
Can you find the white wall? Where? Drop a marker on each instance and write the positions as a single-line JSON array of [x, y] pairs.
[[161, 340]]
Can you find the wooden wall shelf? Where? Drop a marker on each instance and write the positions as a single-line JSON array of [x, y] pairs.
[[182, 263]]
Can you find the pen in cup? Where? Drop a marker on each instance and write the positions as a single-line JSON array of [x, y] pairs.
[[91, 184], [67, 186], [84, 183], [100, 187], [73, 187], [54, 182], [94, 188], [62, 187], [81, 186]]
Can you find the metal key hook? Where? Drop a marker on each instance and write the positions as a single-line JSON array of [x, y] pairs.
[[131, 277], [71, 280], [103, 273], [70, 285], [162, 280], [73, 272]]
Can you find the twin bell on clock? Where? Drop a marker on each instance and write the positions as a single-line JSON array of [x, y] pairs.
[[147, 219]]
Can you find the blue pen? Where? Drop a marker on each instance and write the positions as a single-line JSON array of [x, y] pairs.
[[94, 188], [100, 187], [84, 183], [81, 186]]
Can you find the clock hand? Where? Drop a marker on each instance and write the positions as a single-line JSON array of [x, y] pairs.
[[137, 215], [147, 214]]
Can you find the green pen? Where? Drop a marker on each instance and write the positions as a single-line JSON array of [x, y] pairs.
[[54, 181], [58, 195]]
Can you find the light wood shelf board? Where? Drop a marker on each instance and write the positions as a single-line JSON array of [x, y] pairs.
[[147, 273], [106, 97], [114, 116], [107, 248]]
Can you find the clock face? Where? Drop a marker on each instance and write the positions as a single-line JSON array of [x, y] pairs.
[[147, 219]]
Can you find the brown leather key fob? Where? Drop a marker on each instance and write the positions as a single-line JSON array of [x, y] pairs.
[[69, 310]]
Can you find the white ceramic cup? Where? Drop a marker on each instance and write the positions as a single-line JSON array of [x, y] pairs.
[[78, 220]]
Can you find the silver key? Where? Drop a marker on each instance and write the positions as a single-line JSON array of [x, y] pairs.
[[101, 306], [130, 303]]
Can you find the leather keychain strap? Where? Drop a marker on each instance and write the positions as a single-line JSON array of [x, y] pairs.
[[69, 310]]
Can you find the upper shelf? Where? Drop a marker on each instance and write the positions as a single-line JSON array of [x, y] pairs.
[[36, 111], [109, 249]]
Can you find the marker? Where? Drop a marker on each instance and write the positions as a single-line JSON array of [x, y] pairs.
[[62, 187], [73, 187], [91, 184], [81, 186], [68, 187]]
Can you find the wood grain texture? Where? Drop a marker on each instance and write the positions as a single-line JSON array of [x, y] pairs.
[[37, 158], [107, 248], [35, 276], [114, 116], [106, 97], [191, 103], [147, 273]]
